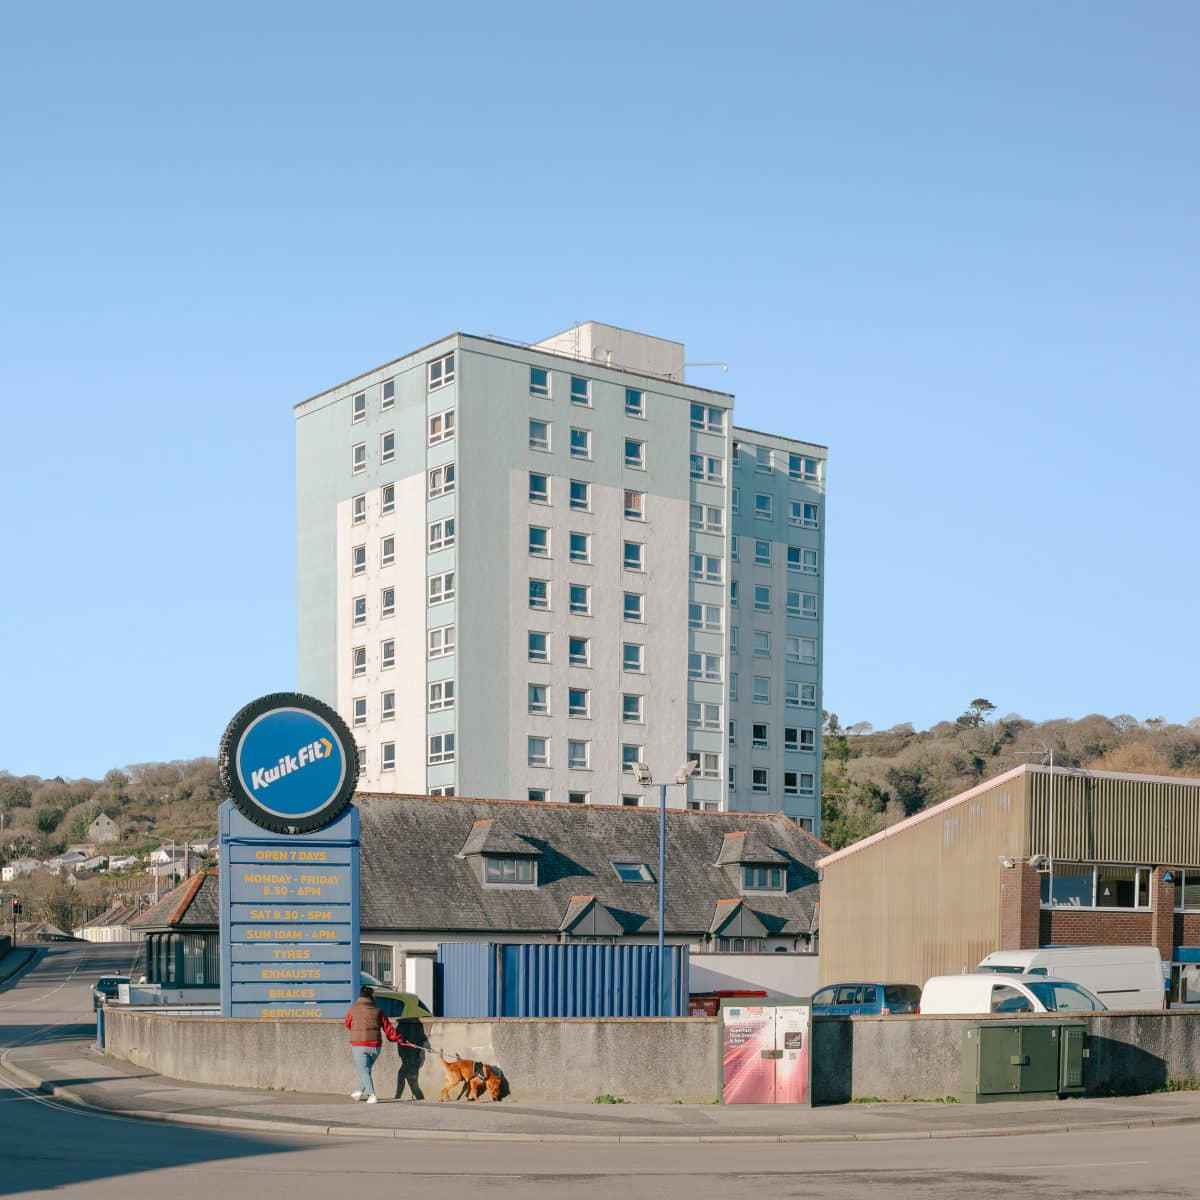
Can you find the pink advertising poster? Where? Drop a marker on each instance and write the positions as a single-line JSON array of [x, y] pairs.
[[749, 1078], [792, 1038]]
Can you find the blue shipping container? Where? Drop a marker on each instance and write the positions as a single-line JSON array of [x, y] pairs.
[[497, 979]]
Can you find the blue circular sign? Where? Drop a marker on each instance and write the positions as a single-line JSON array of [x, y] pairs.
[[289, 762]]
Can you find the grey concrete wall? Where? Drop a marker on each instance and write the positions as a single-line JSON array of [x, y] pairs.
[[542, 1060]]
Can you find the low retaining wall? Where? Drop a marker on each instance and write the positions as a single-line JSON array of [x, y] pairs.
[[644, 1060], [638, 1060]]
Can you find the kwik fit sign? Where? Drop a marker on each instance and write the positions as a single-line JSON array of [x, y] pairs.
[[289, 861]]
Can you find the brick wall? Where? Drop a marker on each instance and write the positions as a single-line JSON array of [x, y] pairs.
[[1095, 927], [1020, 905]]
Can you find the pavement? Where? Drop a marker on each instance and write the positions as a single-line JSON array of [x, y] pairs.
[[70, 1068]]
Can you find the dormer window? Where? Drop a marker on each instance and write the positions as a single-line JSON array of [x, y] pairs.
[[762, 879], [511, 870], [633, 872]]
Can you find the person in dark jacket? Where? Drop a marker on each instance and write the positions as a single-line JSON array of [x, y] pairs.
[[366, 1023]]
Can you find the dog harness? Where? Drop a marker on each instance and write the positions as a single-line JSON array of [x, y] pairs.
[[480, 1072]]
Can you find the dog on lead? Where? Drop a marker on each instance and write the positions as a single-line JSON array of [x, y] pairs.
[[474, 1076]]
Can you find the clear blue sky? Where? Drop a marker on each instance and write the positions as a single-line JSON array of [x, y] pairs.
[[956, 243]]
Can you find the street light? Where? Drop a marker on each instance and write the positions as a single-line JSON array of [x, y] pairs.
[[641, 773]]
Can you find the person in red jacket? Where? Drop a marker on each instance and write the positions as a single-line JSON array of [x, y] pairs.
[[366, 1023]]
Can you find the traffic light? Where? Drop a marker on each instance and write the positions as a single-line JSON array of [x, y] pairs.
[[16, 903]]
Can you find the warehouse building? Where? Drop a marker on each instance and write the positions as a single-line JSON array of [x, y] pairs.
[[1031, 858]]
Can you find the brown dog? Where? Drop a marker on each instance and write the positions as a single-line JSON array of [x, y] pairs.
[[475, 1075]]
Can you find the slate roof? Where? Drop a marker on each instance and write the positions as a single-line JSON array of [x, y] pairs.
[[194, 904], [489, 836], [412, 880]]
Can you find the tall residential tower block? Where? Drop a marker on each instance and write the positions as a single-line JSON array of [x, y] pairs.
[[522, 568]]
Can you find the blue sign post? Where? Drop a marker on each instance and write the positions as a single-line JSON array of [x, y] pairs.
[[289, 862]]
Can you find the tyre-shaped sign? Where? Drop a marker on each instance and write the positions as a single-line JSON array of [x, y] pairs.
[[288, 762]]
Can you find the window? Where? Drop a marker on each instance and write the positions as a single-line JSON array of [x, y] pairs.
[[1187, 891], [706, 419], [734, 592], [635, 403], [735, 501], [732, 774], [579, 651], [635, 505], [581, 442], [632, 558], [387, 654], [539, 381], [387, 499], [538, 647], [441, 695], [800, 558], [441, 641], [799, 783], [733, 548], [578, 702], [630, 801], [387, 394], [631, 708], [704, 666], [387, 706], [441, 747], [762, 644], [539, 541], [580, 547], [358, 512], [441, 426], [632, 658], [539, 593], [705, 616], [733, 639], [441, 372], [762, 460], [539, 699], [441, 534], [580, 599], [536, 752], [577, 797], [441, 587], [635, 454], [762, 598], [1103, 885], [804, 514], [358, 408], [762, 689], [732, 742], [442, 791], [801, 649], [629, 755], [539, 434], [358, 458], [708, 766], [441, 481], [758, 735], [762, 506], [387, 550], [387, 446], [762, 553], [808, 695], [733, 685], [539, 487], [537, 795], [358, 660], [358, 557], [633, 872], [707, 518], [707, 568], [581, 391], [633, 607], [762, 879], [580, 495], [704, 716], [387, 758], [579, 754], [708, 469], [758, 779], [801, 604], [360, 710], [806, 469], [509, 870], [359, 610]]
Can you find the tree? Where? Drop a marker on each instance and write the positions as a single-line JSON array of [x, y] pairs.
[[47, 819], [977, 712], [859, 728], [1155, 722], [1124, 722]]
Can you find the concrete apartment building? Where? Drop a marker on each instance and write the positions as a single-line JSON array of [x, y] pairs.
[[521, 568]]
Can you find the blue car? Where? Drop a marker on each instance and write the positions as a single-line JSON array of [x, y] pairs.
[[866, 999]]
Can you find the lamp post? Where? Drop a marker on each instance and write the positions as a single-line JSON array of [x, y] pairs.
[[641, 773]]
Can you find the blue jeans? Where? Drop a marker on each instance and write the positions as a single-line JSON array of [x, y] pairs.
[[364, 1060]]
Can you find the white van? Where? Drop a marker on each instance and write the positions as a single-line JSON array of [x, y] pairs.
[[990, 992], [1124, 977]]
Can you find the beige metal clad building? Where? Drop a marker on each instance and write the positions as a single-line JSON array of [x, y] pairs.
[[935, 893]]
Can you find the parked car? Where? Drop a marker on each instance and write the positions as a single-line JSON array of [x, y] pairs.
[[865, 999], [994, 992], [1124, 977], [107, 987], [394, 1005]]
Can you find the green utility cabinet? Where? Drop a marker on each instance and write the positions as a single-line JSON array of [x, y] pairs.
[[1036, 1060]]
